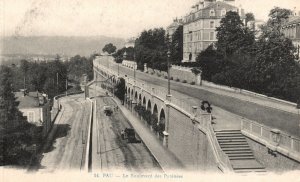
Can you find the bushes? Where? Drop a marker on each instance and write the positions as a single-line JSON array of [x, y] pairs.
[[166, 77], [177, 80], [184, 81], [171, 78], [192, 83]]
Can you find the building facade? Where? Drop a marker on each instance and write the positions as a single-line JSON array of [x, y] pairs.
[[199, 26], [35, 107], [291, 30], [173, 27]]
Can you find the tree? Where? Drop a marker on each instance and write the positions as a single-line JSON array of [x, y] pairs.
[[119, 55], [120, 89], [249, 17], [278, 16], [109, 48], [16, 132], [232, 35], [210, 62], [177, 45], [151, 48]]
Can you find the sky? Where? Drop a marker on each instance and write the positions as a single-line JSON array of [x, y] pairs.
[[116, 18]]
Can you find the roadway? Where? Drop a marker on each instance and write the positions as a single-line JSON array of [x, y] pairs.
[[65, 146], [225, 119], [109, 150]]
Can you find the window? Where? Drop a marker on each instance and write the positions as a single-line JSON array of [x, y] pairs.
[[223, 12], [30, 116], [212, 12], [212, 36], [212, 24], [199, 35]]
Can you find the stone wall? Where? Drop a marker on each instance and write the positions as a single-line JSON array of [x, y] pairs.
[[280, 163], [189, 144], [183, 74]]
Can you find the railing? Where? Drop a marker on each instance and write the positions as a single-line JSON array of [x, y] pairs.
[[204, 120], [273, 137], [221, 158]]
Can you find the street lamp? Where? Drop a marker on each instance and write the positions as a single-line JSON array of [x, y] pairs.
[[298, 108]]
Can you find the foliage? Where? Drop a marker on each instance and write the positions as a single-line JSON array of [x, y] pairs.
[[233, 36], [176, 46], [109, 48], [16, 132], [196, 70], [210, 62], [151, 48], [265, 66], [77, 66], [249, 17], [119, 55], [120, 89]]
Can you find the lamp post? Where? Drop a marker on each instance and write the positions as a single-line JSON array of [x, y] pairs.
[[298, 108], [168, 64]]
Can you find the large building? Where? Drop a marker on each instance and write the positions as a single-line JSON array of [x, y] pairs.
[[292, 31], [199, 26], [173, 27]]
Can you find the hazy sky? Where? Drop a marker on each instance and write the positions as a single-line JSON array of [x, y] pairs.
[[118, 18]]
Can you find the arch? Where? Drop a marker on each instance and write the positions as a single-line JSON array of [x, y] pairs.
[[162, 122], [144, 101], [129, 91], [155, 110], [140, 98], [135, 96], [149, 105]]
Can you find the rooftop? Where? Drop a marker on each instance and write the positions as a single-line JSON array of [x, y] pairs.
[[293, 20], [31, 99]]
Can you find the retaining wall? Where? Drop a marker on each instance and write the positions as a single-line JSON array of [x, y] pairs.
[[280, 163], [190, 144]]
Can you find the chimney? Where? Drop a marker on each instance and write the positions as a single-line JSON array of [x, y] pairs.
[[295, 11]]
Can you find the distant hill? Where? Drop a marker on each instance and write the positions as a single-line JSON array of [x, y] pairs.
[[51, 45]]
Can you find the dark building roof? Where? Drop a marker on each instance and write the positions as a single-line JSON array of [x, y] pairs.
[[293, 20], [217, 7], [31, 99]]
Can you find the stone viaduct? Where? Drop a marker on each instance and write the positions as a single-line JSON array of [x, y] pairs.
[[187, 131]]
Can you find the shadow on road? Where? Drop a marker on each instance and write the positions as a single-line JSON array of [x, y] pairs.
[[62, 130]]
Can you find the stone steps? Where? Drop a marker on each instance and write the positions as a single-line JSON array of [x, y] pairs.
[[235, 146]]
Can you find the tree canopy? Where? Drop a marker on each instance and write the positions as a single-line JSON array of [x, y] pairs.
[[265, 66], [151, 48], [249, 17], [232, 35], [109, 48], [176, 46], [16, 132]]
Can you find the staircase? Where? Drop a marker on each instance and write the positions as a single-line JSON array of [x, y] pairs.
[[235, 146]]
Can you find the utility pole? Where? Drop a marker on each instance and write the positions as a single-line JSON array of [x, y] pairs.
[[24, 82], [66, 86], [56, 83]]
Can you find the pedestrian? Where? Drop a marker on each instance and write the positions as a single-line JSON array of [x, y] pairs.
[[123, 134]]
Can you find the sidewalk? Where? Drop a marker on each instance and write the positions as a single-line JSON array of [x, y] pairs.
[[164, 157]]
